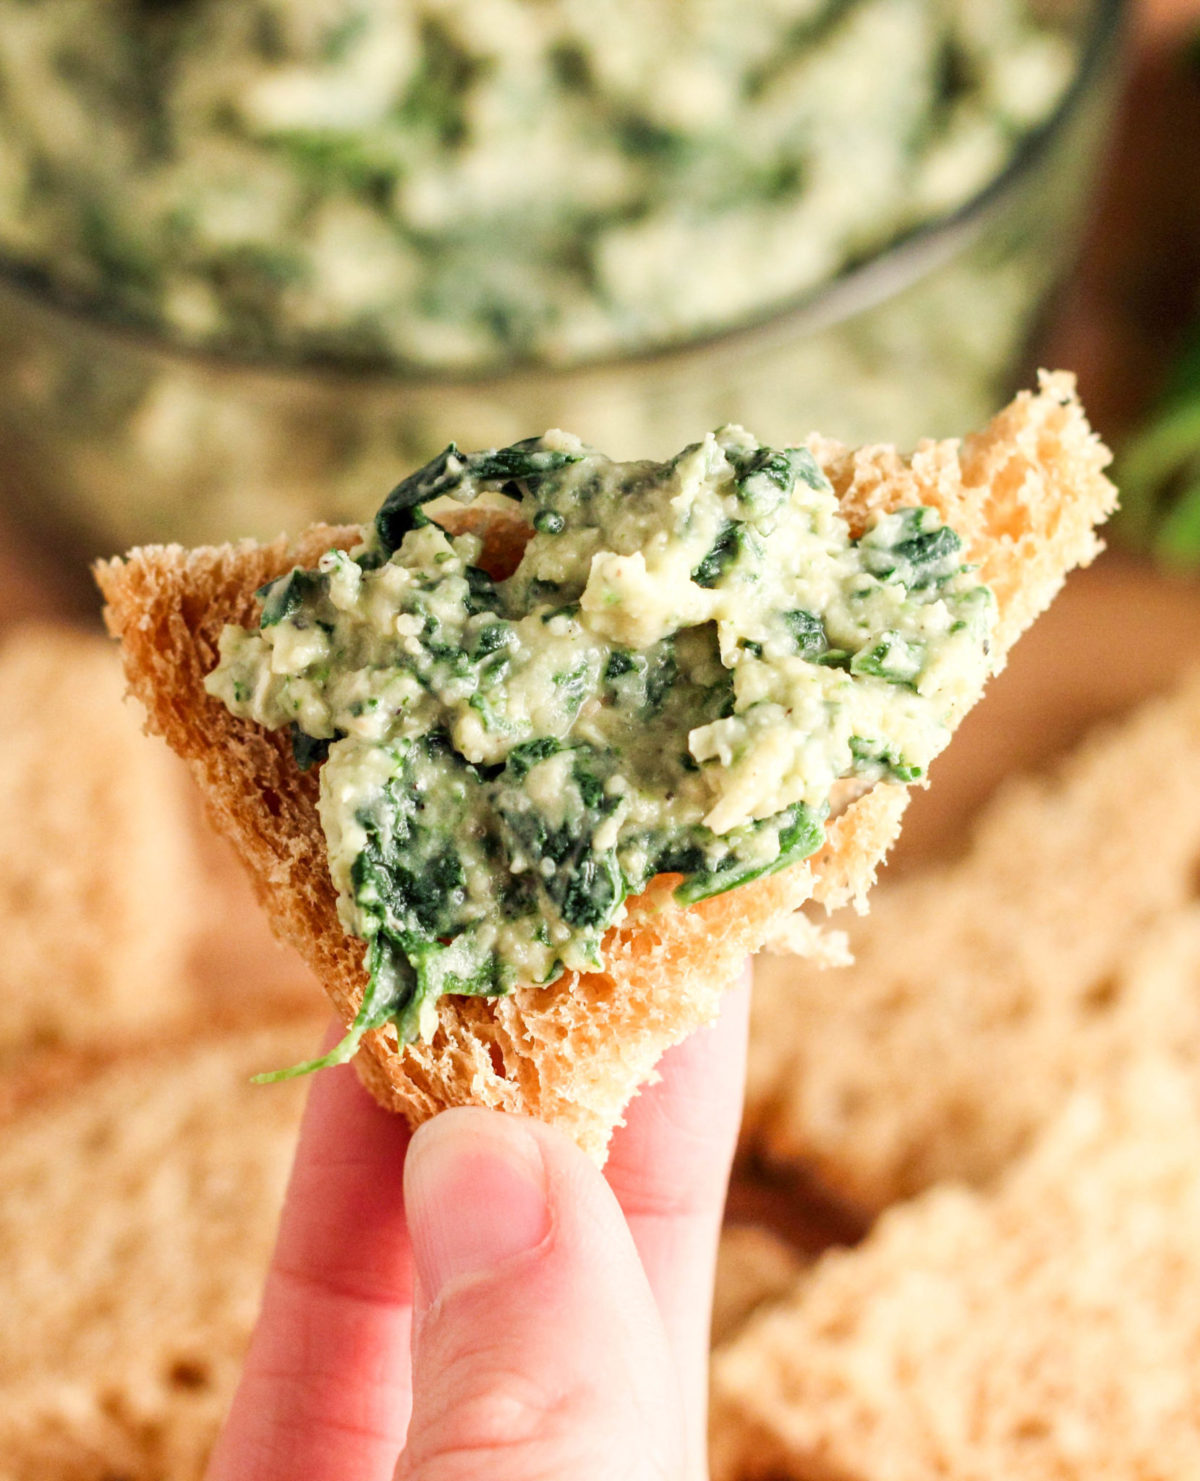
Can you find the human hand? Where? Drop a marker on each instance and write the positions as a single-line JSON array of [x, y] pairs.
[[558, 1317]]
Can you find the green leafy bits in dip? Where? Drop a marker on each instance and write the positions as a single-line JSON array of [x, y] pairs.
[[687, 660]]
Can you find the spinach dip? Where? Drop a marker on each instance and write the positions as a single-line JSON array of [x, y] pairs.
[[458, 185], [686, 661]]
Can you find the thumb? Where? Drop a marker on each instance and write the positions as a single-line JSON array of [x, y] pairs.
[[538, 1352]]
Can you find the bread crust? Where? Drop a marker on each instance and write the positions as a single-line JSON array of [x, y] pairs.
[[1024, 494]]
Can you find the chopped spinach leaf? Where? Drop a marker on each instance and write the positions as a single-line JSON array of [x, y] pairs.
[[529, 753], [913, 547], [307, 750], [890, 657], [726, 549], [808, 631], [572, 687], [546, 591], [437, 97], [571, 609], [441, 475], [380, 1003], [874, 756], [768, 475], [591, 790], [591, 892], [330, 160], [680, 856], [801, 833], [456, 474], [283, 597], [524, 462], [481, 592], [491, 639], [662, 670], [835, 658]]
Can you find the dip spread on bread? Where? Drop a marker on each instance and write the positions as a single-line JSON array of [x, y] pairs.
[[686, 661]]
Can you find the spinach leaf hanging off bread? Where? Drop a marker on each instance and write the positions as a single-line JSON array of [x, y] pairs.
[[528, 770]]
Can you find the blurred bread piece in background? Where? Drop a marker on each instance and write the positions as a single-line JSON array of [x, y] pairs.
[[1049, 1330], [139, 1212], [142, 1172], [754, 1266], [983, 990], [99, 883]]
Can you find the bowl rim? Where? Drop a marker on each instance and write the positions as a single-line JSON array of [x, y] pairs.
[[901, 262]]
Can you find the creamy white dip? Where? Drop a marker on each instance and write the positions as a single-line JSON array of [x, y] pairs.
[[687, 659]]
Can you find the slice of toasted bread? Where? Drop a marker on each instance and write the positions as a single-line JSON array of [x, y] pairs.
[[1024, 494], [140, 1204], [1046, 1330], [98, 867]]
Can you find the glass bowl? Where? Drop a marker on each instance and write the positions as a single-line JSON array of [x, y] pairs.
[[109, 438]]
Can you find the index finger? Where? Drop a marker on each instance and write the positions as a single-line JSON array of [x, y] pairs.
[[669, 1167], [326, 1390]]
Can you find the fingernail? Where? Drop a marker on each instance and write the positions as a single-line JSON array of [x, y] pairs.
[[475, 1191]]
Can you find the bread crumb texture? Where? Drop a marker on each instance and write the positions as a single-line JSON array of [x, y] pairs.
[[983, 990], [97, 864], [1024, 494], [1048, 1330], [138, 1216]]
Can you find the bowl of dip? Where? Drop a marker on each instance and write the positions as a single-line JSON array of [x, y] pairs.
[[260, 260]]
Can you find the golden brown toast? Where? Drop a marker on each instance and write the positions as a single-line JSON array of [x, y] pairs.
[[1024, 494], [1046, 1329], [98, 864]]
